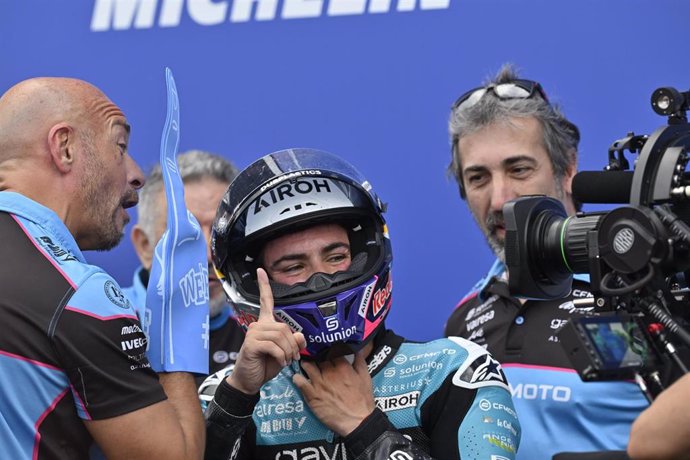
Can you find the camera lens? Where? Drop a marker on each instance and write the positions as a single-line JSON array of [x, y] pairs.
[[544, 246]]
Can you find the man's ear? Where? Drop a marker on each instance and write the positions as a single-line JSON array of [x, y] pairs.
[[567, 185], [143, 246], [61, 145], [570, 172]]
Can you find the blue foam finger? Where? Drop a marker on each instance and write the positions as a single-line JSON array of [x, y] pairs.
[[176, 319]]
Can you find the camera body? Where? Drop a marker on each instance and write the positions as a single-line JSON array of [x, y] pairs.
[[637, 255]]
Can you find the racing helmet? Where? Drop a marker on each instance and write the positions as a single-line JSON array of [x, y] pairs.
[[293, 190]]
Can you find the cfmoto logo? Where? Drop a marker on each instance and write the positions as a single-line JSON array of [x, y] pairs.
[[400, 359]]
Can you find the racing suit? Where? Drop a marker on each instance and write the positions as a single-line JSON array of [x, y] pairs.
[[442, 399], [225, 338], [72, 348], [559, 412]]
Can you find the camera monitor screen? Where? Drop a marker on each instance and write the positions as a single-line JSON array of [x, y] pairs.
[[619, 342]]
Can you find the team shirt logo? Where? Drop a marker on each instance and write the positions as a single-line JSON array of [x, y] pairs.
[[115, 295], [479, 370]]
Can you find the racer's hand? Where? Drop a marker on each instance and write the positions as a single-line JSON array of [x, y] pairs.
[[339, 393], [268, 346]]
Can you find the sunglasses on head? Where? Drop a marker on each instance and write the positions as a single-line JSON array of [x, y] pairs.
[[516, 89]]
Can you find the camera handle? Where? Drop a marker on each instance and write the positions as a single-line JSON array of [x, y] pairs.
[[617, 159]]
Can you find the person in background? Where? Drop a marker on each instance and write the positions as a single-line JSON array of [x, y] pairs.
[[508, 140], [205, 177], [303, 247], [73, 367]]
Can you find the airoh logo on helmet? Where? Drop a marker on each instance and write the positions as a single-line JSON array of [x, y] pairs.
[[284, 317], [292, 175], [304, 186]]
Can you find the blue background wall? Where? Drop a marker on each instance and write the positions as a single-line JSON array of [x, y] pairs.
[[372, 87]]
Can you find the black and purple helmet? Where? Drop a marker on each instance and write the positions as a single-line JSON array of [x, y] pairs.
[[292, 190]]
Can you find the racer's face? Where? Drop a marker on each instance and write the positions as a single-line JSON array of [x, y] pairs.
[[501, 162], [294, 257]]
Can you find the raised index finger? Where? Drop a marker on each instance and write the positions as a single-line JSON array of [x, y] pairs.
[[265, 296]]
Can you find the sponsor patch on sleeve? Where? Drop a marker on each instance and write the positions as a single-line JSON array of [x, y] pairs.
[[115, 295], [479, 370]]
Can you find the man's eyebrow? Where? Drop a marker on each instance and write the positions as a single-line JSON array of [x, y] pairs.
[[334, 246], [474, 169], [518, 158], [506, 162], [124, 124], [302, 256], [288, 257]]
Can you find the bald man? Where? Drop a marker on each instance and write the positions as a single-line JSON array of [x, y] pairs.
[[73, 368]]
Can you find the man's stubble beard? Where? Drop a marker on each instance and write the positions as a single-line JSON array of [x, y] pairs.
[[216, 304], [96, 205], [497, 244]]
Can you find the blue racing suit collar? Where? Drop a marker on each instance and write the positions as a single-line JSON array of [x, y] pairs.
[[31, 210]]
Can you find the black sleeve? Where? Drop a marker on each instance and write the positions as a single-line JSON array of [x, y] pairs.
[[442, 414], [229, 424]]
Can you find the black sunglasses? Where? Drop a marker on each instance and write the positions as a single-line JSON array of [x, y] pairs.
[[515, 89]]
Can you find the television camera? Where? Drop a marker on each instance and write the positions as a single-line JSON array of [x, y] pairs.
[[637, 256]]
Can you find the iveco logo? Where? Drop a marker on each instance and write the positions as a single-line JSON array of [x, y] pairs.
[[623, 240]]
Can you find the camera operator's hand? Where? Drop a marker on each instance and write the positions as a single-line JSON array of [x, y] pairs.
[[268, 346], [663, 430], [339, 393]]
